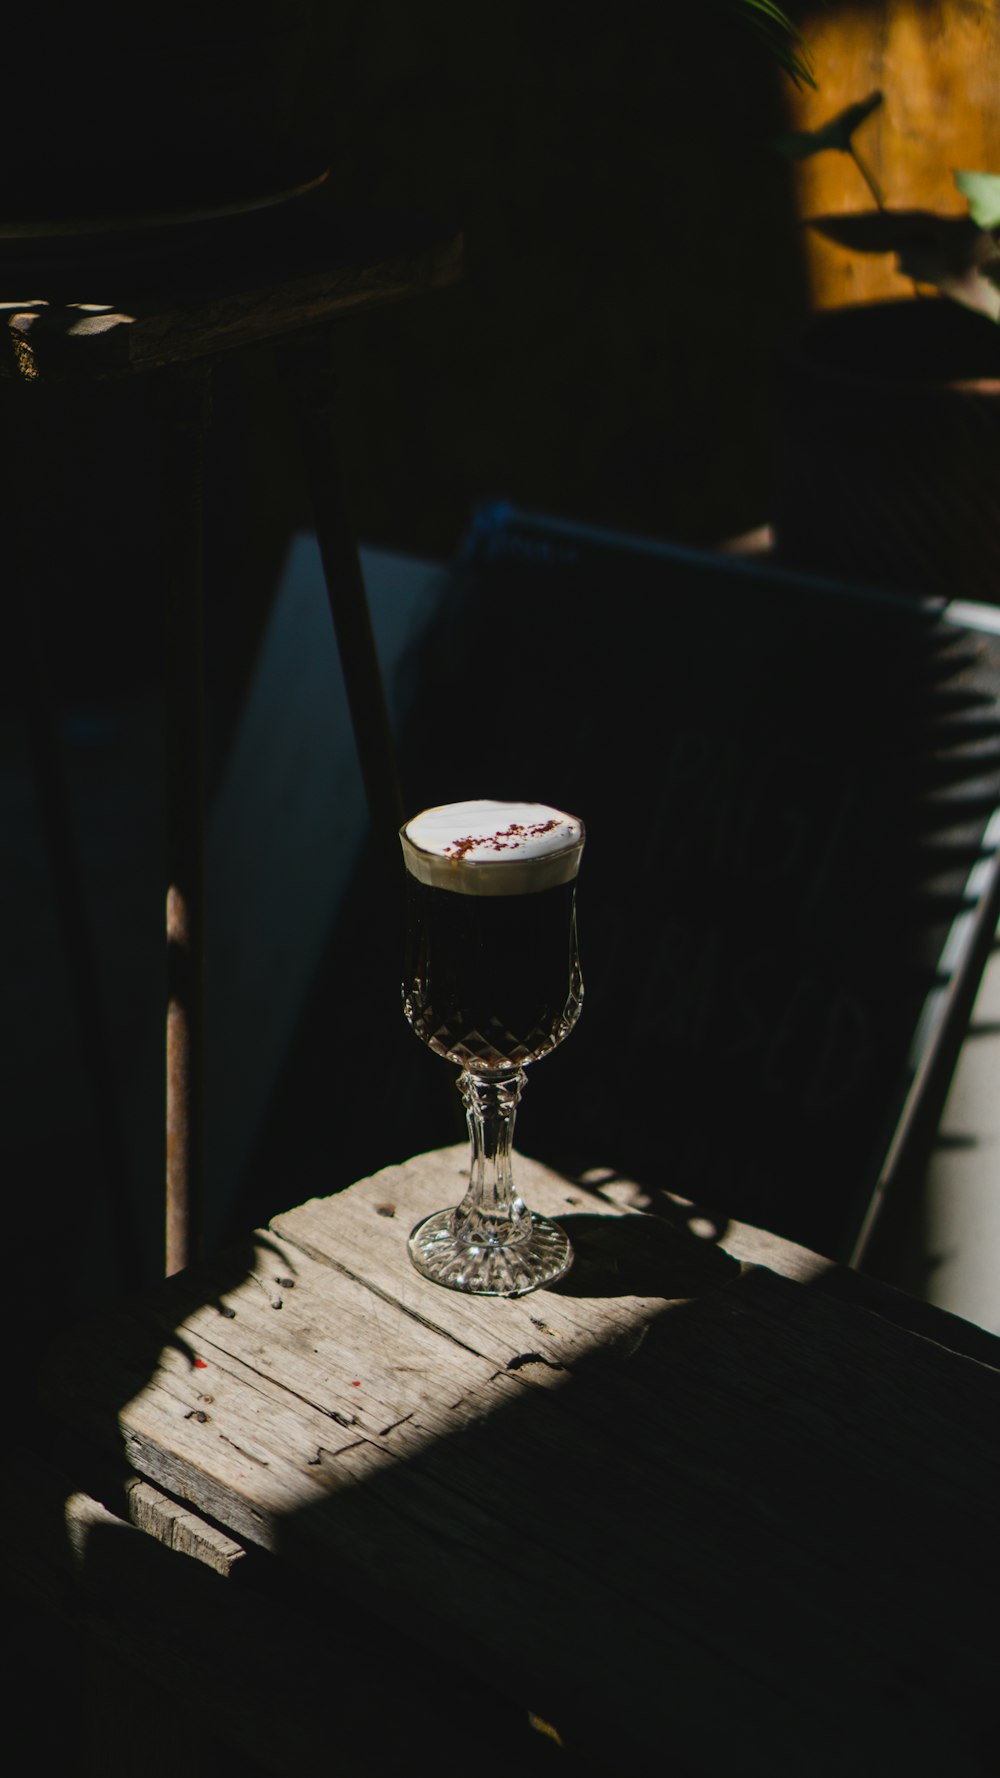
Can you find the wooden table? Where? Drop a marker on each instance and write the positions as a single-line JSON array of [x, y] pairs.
[[713, 1503]]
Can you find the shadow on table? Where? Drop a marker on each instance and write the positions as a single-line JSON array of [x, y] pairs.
[[737, 1475], [629, 1256]]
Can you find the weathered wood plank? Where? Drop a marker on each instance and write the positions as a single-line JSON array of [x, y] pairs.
[[350, 1232], [727, 1478], [179, 1529], [345, 1230]]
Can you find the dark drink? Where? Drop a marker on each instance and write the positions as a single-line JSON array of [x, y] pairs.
[[492, 982]]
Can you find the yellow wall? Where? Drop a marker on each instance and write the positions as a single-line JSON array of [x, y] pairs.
[[938, 64]]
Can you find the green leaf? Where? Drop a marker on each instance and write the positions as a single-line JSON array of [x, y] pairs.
[[982, 193], [835, 133], [784, 37]]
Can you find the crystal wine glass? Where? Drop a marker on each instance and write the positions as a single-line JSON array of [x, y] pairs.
[[492, 983]]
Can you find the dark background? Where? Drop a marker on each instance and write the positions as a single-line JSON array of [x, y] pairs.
[[631, 264]]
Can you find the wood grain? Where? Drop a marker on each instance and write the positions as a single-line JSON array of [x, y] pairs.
[[677, 1477]]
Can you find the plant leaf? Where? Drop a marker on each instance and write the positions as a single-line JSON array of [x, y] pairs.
[[835, 133], [784, 37], [982, 193]]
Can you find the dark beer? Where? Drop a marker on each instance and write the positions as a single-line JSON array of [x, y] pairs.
[[492, 968]]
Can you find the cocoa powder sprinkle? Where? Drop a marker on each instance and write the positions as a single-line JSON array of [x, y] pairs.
[[507, 839]]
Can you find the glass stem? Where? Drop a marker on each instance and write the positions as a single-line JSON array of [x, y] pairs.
[[492, 1210]]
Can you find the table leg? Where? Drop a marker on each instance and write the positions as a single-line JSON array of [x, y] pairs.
[[182, 398]]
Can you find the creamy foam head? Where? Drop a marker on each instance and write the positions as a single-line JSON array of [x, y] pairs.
[[491, 848]]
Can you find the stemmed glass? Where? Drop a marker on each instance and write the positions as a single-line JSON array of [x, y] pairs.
[[492, 983]]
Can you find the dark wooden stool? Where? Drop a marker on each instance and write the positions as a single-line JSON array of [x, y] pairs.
[[163, 305]]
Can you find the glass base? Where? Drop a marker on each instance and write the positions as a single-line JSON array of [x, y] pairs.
[[490, 1268]]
